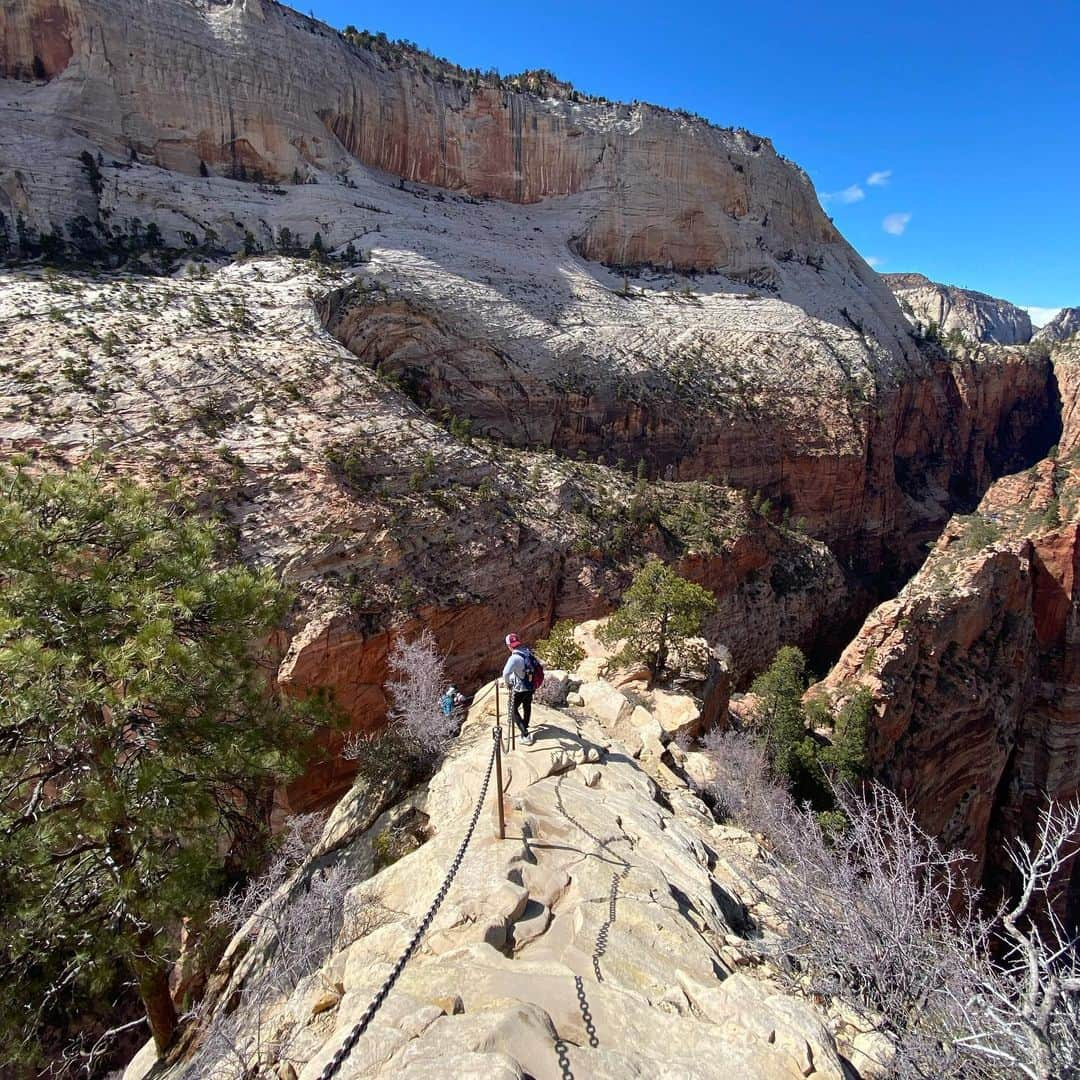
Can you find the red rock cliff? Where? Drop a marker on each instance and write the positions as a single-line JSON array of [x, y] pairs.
[[975, 669]]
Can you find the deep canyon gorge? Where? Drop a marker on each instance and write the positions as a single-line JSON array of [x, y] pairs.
[[570, 332]]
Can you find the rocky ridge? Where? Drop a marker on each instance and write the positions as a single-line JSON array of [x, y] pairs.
[[975, 315], [613, 905], [379, 517]]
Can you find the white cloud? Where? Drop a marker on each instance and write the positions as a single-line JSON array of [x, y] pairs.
[[851, 194], [880, 178], [895, 224], [875, 261], [1040, 316]]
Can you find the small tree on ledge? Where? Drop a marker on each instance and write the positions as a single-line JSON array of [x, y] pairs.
[[659, 613], [559, 649]]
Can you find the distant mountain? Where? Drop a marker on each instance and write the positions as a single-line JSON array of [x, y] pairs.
[[976, 315], [1063, 325]]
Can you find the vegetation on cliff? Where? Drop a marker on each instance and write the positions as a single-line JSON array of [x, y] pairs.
[[880, 918], [786, 726], [139, 740], [658, 615]]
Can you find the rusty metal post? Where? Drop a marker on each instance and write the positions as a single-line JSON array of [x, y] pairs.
[[497, 735]]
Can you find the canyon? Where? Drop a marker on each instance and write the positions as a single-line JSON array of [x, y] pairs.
[[454, 351], [568, 292]]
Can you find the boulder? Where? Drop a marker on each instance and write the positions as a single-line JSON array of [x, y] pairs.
[[606, 703], [677, 714]]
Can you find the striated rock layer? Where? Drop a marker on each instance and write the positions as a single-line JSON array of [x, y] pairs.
[[872, 454], [381, 520], [786, 369], [975, 671], [177, 83], [974, 314]]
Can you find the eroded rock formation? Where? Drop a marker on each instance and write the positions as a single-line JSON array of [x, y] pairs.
[[381, 520], [975, 670], [1065, 356], [788, 371], [175, 84], [974, 314], [809, 412], [1064, 325]]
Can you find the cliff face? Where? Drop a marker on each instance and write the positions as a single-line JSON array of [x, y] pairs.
[[869, 454], [1065, 357], [175, 83], [1064, 325], [789, 370], [974, 314], [974, 669], [380, 519]]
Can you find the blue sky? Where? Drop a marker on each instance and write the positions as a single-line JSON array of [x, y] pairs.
[[968, 114]]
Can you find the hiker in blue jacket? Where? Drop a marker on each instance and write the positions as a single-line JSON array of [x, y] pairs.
[[516, 675]]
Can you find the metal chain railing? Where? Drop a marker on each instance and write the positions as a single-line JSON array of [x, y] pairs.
[[360, 1026]]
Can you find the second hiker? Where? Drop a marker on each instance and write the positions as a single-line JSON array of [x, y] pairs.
[[523, 675]]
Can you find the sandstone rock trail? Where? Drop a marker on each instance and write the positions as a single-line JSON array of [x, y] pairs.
[[335, 1063], [594, 941]]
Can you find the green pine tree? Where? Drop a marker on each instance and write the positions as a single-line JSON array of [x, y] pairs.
[[778, 712], [559, 649], [849, 757], [138, 737], [658, 613]]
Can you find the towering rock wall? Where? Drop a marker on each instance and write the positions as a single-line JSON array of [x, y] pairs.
[[1065, 357], [176, 82], [975, 671], [871, 452], [974, 314]]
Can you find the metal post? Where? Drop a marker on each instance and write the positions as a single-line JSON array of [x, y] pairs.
[[498, 717], [497, 735]]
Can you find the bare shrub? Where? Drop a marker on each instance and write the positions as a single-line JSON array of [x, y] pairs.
[[1027, 1012], [416, 688], [880, 916], [301, 833], [743, 789], [294, 925]]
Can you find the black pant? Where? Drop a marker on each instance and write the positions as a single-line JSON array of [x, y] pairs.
[[522, 698]]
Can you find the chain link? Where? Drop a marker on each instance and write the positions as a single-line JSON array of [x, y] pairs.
[[358, 1029]]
